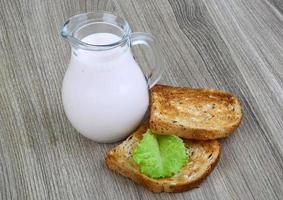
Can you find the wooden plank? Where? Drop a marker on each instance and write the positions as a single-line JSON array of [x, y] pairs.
[[227, 44]]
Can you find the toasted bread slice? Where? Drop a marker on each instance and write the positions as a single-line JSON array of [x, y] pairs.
[[200, 114], [203, 156]]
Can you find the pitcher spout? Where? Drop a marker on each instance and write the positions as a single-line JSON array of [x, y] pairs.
[[64, 31]]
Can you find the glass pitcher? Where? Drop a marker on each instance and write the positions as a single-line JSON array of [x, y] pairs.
[[105, 92]]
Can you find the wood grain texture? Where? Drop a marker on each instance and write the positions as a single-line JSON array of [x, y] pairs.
[[234, 45]]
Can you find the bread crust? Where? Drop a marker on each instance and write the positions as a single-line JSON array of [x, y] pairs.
[[204, 114], [203, 156]]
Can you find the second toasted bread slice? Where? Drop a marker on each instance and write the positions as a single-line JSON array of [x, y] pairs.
[[200, 114], [203, 156]]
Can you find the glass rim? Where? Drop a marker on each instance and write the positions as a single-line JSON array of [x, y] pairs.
[[103, 15]]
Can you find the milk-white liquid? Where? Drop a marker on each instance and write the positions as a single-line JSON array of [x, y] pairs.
[[105, 94]]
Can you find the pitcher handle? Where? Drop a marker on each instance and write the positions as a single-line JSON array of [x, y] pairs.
[[157, 63]]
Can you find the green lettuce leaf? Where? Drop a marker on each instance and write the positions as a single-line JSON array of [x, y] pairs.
[[160, 155]]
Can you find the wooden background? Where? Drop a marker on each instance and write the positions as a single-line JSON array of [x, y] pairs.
[[236, 45]]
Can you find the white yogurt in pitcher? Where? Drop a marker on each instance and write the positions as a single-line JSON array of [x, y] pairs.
[[105, 94]]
